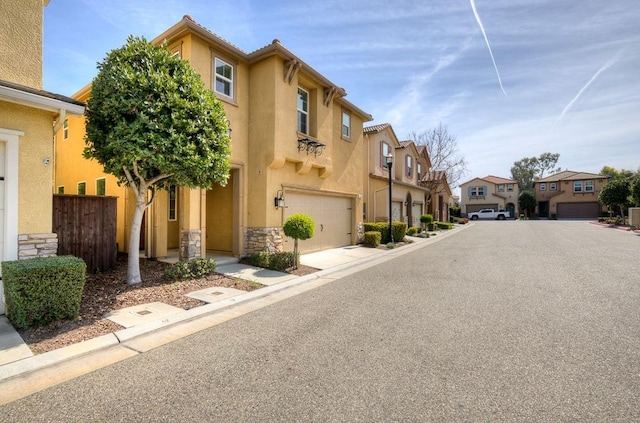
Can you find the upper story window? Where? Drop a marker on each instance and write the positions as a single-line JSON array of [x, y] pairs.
[[577, 186], [409, 166], [385, 150], [510, 187], [303, 111], [346, 124], [419, 171], [224, 78], [82, 188], [61, 189], [589, 186], [543, 186], [477, 191], [553, 186], [65, 129], [500, 188]]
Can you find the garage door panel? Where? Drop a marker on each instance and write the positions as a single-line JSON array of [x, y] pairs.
[[590, 210], [331, 214]]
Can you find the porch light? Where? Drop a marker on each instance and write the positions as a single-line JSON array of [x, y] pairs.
[[278, 200]]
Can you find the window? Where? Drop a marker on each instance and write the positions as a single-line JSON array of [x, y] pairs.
[[477, 191], [61, 189], [543, 186], [65, 129], [419, 172], [589, 186], [510, 187], [500, 188], [553, 186], [82, 188], [577, 186], [303, 111], [409, 166], [101, 186], [173, 202], [346, 125], [224, 78], [385, 150]]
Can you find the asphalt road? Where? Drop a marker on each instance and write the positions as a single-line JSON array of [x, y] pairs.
[[505, 321]]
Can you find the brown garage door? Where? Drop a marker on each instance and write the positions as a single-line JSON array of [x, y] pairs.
[[477, 207], [578, 210], [331, 214]]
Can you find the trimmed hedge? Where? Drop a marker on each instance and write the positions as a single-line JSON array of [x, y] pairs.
[[274, 261], [194, 268], [372, 239], [444, 225], [42, 290], [412, 231], [399, 230]]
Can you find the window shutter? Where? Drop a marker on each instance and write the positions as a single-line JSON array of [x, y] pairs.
[[469, 191], [485, 190]]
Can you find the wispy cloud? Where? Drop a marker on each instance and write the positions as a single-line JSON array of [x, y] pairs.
[[484, 33], [606, 66]]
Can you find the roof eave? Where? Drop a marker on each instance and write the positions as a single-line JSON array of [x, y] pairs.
[[37, 101]]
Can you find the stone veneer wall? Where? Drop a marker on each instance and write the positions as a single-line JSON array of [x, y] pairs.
[[190, 244], [257, 240], [37, 245], [360, 233]]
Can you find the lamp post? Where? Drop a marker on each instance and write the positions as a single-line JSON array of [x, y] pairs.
[[389, 162]]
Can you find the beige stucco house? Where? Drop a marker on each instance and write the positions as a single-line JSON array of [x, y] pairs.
[[296, 146], [570, 195], [490, 192], [29, 117]]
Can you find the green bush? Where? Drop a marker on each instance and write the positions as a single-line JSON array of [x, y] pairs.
[[372, 239], [43, 289], [298, 226], [423, 235], [274, 261], [444, 225], [431, 226], [399, 231], [194, 268], [412, 231], [426, 218]]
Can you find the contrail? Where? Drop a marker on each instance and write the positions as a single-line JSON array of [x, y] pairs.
[[606, 66], [475, 12]]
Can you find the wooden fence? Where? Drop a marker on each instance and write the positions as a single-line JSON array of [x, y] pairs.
[[86, 228]]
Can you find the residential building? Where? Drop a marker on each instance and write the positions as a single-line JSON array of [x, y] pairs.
[[490, 192], [296, 147], [29, 117], [569, 195], [408, 197]]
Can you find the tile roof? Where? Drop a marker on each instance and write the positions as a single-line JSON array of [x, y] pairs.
[[569, 175], [375, 128], [498, 180], [41, 93]]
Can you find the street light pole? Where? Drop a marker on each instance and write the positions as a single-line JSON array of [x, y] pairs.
[[389, 161]]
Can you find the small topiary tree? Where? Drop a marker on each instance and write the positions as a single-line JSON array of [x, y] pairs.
[[298, 226], [426, 219]]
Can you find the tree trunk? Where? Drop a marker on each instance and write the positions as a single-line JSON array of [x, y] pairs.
[[622, 213], [296, 255], [133, 267]]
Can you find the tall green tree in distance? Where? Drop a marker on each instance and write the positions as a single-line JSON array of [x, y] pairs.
[[151, 123], [616, 193], [615, 173], [528, 169]]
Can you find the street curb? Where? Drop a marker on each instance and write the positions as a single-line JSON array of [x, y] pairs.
[[38, 362]]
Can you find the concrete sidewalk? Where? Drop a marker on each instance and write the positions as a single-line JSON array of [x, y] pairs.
[[20, 369]]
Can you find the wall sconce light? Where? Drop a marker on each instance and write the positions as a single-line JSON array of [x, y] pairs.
[[278, 200], [229, 128]]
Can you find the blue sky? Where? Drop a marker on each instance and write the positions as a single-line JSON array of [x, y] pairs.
[[508, 78]]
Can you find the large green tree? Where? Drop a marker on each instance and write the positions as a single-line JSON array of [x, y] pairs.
[[615, 193], [528, 169], [615, 173], [635, 190], [527, 201], [151, 123]]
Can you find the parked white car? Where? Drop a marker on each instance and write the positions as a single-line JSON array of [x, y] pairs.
[[489, 214]]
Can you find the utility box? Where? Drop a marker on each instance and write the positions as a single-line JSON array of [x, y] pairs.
[[634, 216]]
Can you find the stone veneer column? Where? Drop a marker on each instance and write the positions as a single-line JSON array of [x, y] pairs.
[[257, 240], [37, 245], [190, 242]]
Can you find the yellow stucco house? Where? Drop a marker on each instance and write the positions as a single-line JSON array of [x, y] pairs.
[[29, 117], [570, 195], [490, 192], [296, 146]]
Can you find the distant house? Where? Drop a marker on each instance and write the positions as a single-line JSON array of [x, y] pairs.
[[29, 118], [296, 147], [570, 195], [490, 192]]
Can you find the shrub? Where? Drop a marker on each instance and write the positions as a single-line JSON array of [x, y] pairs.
[[399, 231], [281, 260], [43, 289], [372, 239], [426, 218], [444, 225], [260, 259], [412, 231], [431, 226], [423, 235], [298, 226], [194, 268]]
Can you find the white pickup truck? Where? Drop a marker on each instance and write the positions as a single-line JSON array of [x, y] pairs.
[[489, 214]]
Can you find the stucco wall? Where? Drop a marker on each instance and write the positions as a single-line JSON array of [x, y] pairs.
[[21, 42]]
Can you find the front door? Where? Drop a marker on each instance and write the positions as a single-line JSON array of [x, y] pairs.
[[543, 209]]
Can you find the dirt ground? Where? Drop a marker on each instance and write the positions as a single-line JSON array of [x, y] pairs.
[[108, 291]]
